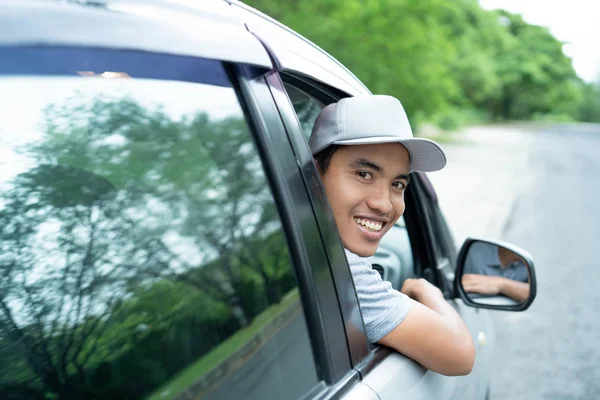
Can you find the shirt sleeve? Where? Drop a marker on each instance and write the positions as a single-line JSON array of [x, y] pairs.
[[382, 307]]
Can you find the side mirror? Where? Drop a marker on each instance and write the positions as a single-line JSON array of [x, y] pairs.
[[495, 275]]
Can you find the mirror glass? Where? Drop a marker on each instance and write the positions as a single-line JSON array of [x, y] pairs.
[[495, 275]]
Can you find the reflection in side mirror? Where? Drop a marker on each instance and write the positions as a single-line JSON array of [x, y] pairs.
[[495, 275]]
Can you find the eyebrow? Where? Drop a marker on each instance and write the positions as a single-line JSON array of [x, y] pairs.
[[363, 163]]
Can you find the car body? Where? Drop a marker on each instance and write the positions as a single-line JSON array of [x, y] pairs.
[[165, 232]]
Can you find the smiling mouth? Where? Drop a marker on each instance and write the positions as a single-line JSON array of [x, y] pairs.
[[372, 226]]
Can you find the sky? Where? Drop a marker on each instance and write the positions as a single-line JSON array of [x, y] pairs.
[[575, 22]]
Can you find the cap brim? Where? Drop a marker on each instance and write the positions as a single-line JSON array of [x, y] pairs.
[[425, 155]]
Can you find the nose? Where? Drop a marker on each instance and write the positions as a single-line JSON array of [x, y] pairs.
[[380, 200]]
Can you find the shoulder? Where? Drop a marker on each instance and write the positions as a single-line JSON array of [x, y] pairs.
[[382, 307], [355, 259], [368, 282], [361, 268]]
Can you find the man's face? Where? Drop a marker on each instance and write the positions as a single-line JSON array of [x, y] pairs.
[[365, 186]]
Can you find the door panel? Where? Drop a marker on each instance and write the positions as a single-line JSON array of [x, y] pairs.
[[474, 385], [399, 377], [479, 323], [360, 391]]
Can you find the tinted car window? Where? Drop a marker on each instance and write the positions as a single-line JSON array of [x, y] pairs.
[[141, 252]]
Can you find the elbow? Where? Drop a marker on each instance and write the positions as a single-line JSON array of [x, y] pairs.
[[466, 367], [466, 359], [463, 360]]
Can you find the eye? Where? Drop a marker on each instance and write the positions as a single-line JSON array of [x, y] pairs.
[[365, 175], [399, 185]]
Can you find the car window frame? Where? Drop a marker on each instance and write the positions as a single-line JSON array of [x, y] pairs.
[[316, 284], [443, 248], [339, 270]]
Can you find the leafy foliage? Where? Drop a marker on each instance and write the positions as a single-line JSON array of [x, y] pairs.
[[590, 104], [439, 57]]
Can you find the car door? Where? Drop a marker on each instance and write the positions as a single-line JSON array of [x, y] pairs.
[[157, 237]]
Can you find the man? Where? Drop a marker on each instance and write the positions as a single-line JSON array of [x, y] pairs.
[[492, 270], [364, 150]]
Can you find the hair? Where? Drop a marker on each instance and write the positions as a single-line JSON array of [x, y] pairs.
[[323, 157]]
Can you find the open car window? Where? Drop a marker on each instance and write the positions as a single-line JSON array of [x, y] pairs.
[[394, 259]]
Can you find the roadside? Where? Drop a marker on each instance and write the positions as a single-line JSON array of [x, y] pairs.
[[487, 169]]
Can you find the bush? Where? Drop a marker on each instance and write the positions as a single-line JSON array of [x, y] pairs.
[[452, 119], [541, 117], [449, 121], [589, 109]]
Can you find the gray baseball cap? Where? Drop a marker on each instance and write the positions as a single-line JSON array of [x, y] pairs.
[[371, 120]]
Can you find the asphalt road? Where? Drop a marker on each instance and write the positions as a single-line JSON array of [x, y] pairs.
[[552, 351]]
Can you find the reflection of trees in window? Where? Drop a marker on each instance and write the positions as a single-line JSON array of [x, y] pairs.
[[60, 278], [136, 245]]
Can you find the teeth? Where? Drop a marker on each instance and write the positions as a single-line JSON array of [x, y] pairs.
[[374, 226]]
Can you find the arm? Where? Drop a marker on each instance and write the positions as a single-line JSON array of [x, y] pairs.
[[483, 284], [515, 289], [433, 334]]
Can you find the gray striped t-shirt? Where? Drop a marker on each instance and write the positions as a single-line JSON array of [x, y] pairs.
[[382, 307]]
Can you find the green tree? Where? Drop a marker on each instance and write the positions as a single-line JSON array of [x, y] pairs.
[[589, 108], [479, 38], [441, 57], [536, 76], [395, 47]]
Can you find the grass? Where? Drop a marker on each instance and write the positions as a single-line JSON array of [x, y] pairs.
[[222, 352]]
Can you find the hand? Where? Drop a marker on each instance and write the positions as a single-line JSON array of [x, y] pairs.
[[418, 288], [482, 284]]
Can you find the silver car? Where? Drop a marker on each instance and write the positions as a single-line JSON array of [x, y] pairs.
[[163, 230]]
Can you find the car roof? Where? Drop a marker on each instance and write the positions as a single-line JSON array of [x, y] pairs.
[[208, 29], [226, 30], [294, 53]]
